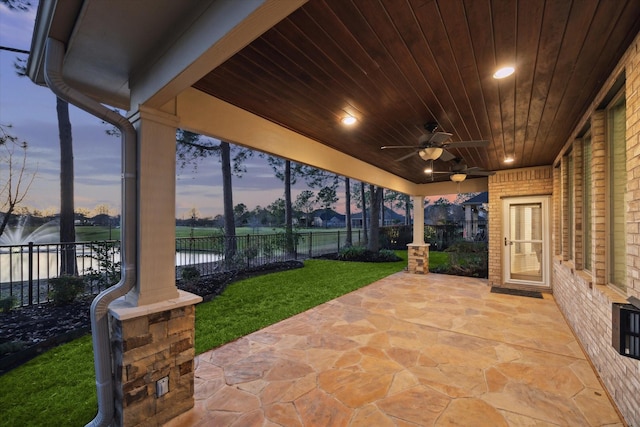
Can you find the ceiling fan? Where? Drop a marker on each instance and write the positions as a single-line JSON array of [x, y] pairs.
[[433, 145], [459, 171]]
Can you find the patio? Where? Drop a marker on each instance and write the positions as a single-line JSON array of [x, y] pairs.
[[407, 350]]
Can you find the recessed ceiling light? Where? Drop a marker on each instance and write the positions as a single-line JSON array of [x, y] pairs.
[[428, 169], [503, 72], [348, 120], [508, 159]]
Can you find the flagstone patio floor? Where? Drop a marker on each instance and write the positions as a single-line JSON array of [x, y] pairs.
[[408, 350]]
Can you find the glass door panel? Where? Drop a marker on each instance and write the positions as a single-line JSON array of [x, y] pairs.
[[525, 246]]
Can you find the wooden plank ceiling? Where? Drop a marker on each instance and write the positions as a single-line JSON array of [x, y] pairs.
[[398, 64]]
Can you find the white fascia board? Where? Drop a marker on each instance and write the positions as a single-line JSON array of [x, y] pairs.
[[207, 115], [223, 30]]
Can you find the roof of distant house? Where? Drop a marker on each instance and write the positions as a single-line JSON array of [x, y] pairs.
[[479, 199]]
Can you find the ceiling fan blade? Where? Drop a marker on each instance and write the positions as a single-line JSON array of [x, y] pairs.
[[446, 156], [466, 144], [387, 147], [405, 157], [479, 173], [439, 138]]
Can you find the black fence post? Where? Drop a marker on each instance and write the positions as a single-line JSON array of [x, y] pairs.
[[338, 241], [30, 273], [246, 251]]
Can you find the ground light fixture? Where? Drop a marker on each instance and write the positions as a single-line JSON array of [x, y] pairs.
[[458, 177], [504, 72]]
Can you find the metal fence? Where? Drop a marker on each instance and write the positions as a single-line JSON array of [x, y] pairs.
[[440, 236], [25, 270]]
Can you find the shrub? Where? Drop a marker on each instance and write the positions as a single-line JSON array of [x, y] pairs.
[[7, 304], [65, 289], [387, 255], [108, 272], [190, 275], [466, 247], [361, 254], [351, 253]]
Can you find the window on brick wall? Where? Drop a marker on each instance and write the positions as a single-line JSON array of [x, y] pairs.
[[586, 202], [617, 177], [570, 222]]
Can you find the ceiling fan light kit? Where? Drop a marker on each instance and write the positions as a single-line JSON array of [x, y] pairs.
[[430, 153], [458, 177]]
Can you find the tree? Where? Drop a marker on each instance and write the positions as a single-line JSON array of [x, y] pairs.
[[67, 218], [360, 199], [399, 201], [438, 213], [305, 202], [288, 173], [318, 178], [347, 210], [192, 148], [21, 5], [327, 199], [15, 181], [277, 211], [376, 201], [240, 212]]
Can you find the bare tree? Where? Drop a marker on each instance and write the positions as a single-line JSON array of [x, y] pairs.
[[15, 181]]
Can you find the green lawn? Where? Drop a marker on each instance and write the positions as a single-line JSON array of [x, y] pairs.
[[438, 259], [58, 387]]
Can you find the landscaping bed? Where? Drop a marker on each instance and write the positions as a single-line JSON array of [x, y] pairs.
[[28, 331]]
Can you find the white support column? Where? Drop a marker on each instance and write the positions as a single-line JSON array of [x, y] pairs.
[[468, 225], [156, 207], [418, 220], [418, 251]]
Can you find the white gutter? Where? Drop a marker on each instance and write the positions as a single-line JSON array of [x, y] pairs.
[[54, 55]]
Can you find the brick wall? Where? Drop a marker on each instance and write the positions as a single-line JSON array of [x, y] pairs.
[[511, 183], [583, 296]]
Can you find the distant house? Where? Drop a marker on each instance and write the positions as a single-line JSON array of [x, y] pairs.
[[328, 218], [475, 218], [390, 218]]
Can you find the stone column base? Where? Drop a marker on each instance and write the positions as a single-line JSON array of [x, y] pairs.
[[418, 258], [151, 343]]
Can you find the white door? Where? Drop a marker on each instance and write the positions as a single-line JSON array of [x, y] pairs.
[[526, 240]]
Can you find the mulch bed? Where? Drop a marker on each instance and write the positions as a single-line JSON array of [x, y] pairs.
[[28, 331]]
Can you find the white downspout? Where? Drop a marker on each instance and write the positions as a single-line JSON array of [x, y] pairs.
[[54, 56]]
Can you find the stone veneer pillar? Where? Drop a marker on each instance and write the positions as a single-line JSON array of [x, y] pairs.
[[149, 343], [418, 258]]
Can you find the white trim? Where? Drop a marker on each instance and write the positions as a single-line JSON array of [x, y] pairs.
[[223, 30], [545, 202]]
